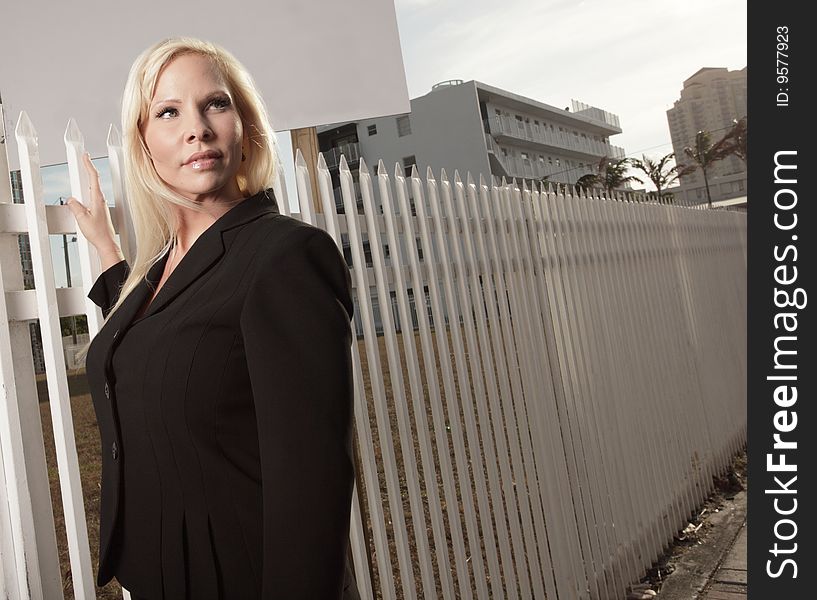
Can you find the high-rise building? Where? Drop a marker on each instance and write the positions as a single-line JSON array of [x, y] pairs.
[[711, 100]]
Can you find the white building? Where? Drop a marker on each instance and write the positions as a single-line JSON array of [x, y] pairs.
[[469, 126], [473, 127], [711, 100]]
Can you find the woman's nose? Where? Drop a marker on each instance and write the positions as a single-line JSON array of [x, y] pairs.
[[199, 130]]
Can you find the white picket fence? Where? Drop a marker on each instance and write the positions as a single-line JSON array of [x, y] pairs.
[[547, 442]]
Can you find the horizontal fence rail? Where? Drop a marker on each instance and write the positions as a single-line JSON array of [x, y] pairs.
[[546, 382]]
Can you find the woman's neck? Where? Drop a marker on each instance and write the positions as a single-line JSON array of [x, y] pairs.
[[190, 223]]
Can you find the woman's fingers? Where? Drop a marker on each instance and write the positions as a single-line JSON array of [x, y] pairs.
[[93, 217], [93, 179], [76, 207]]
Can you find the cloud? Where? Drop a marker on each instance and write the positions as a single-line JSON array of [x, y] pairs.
[[628, 57]]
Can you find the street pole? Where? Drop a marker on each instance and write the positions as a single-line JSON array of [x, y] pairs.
[[306, 139], [68, 276]]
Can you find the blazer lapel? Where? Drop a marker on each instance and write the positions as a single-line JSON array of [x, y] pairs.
[[125, 314], [208, 248]]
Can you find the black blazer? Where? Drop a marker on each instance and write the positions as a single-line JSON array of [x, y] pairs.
[[225, 417]]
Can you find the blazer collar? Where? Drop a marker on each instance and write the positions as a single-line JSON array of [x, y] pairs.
[[204, 252], [251, 208]]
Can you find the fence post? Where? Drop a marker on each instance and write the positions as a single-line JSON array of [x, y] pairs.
[[88, 259], [58, 395], [30, 561], [121, 208]]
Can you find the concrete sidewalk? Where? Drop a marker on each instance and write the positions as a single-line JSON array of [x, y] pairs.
[[729, 581], [715, 569]]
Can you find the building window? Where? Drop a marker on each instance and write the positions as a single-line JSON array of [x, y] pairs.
[[498, 112], [550, 160], [558, 162], [541, 159], [367, 253], [403, 126], [372, 129], [504, 151], [408, 163], [524, 156]]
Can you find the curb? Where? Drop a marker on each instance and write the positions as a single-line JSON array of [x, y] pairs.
[[696, 567]]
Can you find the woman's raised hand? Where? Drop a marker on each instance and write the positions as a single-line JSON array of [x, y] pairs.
[[94, 218]]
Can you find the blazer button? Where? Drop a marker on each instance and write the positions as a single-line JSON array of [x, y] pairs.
[[114, 451], [107, 391]]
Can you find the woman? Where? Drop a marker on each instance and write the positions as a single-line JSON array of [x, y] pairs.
[[221, 379]]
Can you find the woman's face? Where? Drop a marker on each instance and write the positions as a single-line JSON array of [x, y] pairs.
[[193, 131]]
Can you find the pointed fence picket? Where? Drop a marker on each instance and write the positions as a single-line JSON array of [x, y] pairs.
[[545, 381]]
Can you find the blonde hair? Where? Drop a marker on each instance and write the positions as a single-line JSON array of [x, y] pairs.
[[149, 197]]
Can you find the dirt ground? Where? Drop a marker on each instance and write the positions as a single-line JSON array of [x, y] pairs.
[[90, 465]]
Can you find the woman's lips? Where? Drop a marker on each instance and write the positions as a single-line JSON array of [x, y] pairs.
[[202, 160], [202, 164]]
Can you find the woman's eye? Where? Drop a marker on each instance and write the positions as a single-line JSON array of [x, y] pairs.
[[220, 103], [166, 113]]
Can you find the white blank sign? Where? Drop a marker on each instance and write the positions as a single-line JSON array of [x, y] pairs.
[[316, 62]]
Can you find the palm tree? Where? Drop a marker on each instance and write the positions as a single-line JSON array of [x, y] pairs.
[[609, 174], [737, 138], [659, 172], [705, 154], [587, 181]]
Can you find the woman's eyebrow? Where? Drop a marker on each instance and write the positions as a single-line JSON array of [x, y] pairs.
[[216, 93], [210, 96], [166, 101]]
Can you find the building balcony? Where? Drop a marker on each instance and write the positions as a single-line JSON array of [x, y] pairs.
[[592, 112], [351, 151], [530, 168], [540, 137]]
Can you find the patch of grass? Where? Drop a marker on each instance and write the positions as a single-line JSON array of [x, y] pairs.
[[90, 466]]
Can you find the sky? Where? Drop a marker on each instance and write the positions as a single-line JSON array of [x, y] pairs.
[[628, 57]]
